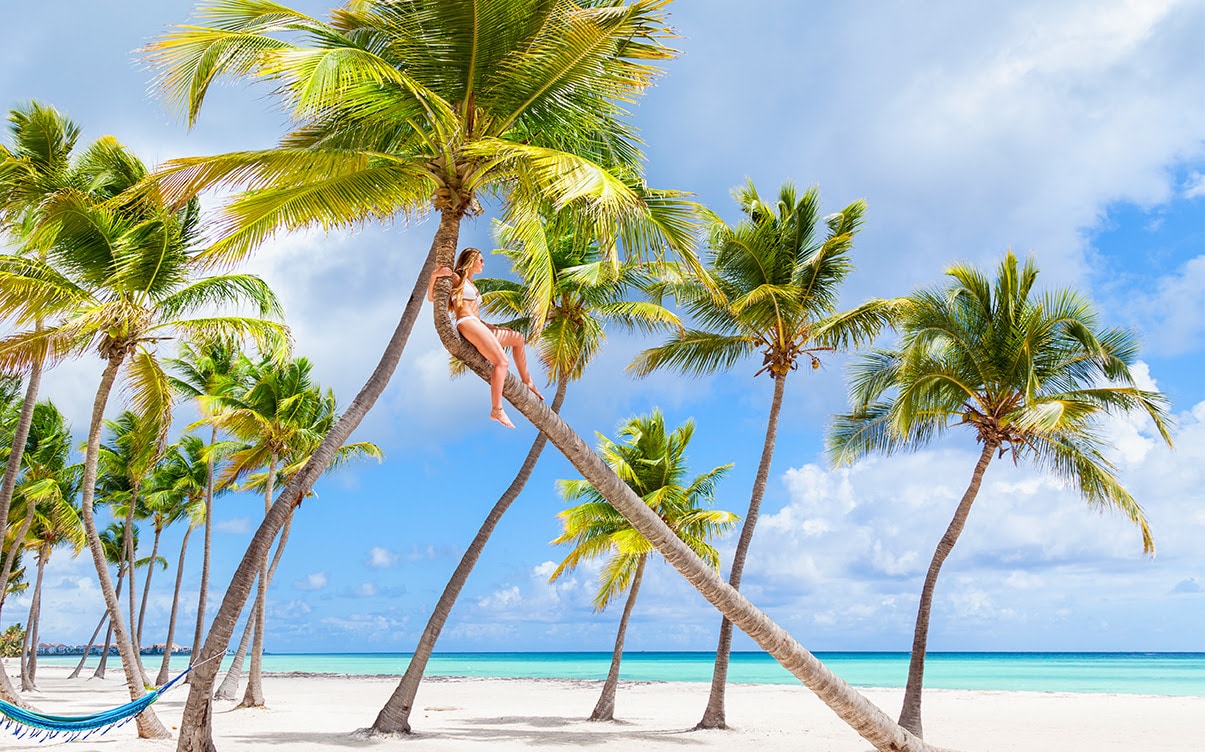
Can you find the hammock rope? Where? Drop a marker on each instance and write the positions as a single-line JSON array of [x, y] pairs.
[[41, 726]]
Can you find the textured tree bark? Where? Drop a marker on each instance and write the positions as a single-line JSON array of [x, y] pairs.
[[6, 688], [395, 716], [196, 724], [910, 713], [149, 726], [604, 709], [228, 689], [870, 722], [162, 678], [713, 714]]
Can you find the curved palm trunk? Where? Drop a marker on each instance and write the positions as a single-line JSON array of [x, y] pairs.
[[146, 589], [910, 714], [149, 726], [604, 709], [395, 716], [162, 678], [196, 723], [91, 641], [713, 714], [870, 722], [29, 662], [254, 696], [203, 597], [228, 689], [13, 467]]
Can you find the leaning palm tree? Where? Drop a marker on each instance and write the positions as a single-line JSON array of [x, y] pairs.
[[48, 486], [653, 464], [123, 467], [1029, 374], [178, 493], [778, 285], [583, 294], [204, 372], [281, 419], [401, 108], [128, 279], [36, 167]]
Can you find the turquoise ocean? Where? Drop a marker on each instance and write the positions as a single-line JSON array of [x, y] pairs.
[[1180, 674]]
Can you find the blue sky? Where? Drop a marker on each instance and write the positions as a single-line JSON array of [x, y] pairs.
[[1071, 132]]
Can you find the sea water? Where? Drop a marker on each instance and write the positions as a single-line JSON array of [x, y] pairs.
[[1181, 674]]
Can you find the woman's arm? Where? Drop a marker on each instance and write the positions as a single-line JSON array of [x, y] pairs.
[[441, 271]]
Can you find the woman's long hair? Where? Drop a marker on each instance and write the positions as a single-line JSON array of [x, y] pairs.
[[464, 266]]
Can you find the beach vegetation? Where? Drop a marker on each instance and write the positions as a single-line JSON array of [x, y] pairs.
[[122, 279], [586, 294], [1032, 375], [652, 462], [771, 288], [401, 109]]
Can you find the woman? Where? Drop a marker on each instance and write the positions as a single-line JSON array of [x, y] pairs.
[[465, 305]]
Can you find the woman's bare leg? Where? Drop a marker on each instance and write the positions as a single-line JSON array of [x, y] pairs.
[[512, 339], [488, 345]]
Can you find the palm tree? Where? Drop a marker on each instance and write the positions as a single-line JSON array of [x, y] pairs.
[[113, 543], [403, 108], [123, 468], [584, 293], [653, 464], [774, 289], [175, 491], [36, 167], [1030, 374], [205, 371], [282, 418], [180, 489], [128, 266], [48, 488]]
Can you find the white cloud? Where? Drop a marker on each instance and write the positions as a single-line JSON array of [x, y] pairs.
[[381, 558], [312, 581], [236, 525]]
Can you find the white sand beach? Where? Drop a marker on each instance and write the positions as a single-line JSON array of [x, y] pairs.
[[310, 713]]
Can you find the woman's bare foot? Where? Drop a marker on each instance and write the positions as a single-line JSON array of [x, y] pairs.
[[532, 386], [499, 415]]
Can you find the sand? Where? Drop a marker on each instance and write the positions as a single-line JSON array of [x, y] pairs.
[[310, 713]]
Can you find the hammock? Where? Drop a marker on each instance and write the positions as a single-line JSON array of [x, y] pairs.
[[40, 726]]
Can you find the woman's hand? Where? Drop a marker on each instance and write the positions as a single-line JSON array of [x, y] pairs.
[[443, 271]]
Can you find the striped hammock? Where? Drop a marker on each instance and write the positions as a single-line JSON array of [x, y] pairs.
[[41, 726]]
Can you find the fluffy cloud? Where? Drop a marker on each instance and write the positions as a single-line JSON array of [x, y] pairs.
[[381, 558], [312, 581]]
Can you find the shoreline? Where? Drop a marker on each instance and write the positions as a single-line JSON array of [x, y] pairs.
[[316, 713]]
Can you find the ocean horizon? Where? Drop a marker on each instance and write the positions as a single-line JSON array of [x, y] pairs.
[[1142, 673]]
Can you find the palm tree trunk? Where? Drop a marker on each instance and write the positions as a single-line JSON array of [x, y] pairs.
[[99, 673], [395, 716], [146, 589], [29, 663], [604, 709], [713, 714], [91, 641], [229, 686], [101, 667], [910, 713], [869, 721], [13, 467], [131, 551], [149, 726], [7, 691], [254, 696], [162, 678], [196, 723], [203, 597]]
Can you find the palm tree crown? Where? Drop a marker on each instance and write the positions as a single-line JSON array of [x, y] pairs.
[[1029, 373], [652, 462]]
